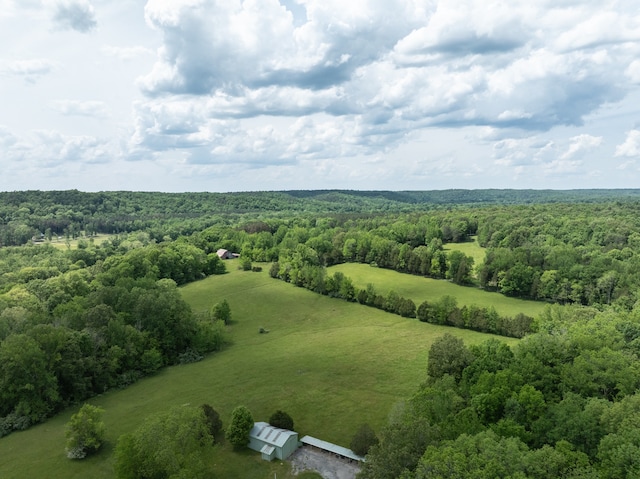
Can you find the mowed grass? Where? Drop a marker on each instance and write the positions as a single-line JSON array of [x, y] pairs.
[[420, 289], [61, 243], [330, 364], [470, 248]]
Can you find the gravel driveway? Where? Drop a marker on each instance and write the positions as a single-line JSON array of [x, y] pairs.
[[328, 466]]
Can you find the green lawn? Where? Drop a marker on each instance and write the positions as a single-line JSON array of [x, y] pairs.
[[73, 243], [419, 289], [330, 364], [470, 248]]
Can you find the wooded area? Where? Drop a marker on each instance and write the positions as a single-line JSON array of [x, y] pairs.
[[76, 321]]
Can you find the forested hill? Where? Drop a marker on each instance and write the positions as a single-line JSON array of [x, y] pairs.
[[28, 214], [466, 197]]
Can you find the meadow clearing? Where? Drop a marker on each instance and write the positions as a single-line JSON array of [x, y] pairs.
[[332, 365], [419, 289]]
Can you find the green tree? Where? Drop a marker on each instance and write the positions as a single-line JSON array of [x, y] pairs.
[[245, 263], [27, 386], [168, 445], [221, 312], [363, 439], [241, 423], [85, 432], [484, 455], [460, 267], [282, 420], [401, 445], [213, 420], [448, 355]]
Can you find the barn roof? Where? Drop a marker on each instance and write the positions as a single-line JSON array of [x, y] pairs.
[[334, 448], [271, 435]]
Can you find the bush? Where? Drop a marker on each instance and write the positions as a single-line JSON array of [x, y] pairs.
[[363, 439], [221, 312], [172, 444], [245, 264], [190, 356], [282, 420], [13, 422], [85, 432], [241, 423], [213, 420]]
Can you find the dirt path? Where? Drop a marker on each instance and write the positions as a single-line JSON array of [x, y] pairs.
[[328, 466]]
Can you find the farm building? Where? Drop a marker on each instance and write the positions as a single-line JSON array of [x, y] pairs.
[[337, 451], [272, 442], [226, 254]]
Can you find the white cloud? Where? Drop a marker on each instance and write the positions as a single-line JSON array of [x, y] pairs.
[[580, 144], [31, 70], [631, 146], [52, 149], [126, 53], [539, 89], [633, 71], [376, 63], [97, 109], [78, 15]]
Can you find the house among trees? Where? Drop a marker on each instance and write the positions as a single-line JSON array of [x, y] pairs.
[[226, 254], [272, 442]]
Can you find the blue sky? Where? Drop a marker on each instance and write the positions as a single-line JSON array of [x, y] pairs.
[[230, 95]]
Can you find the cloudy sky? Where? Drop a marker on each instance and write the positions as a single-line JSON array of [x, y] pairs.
[[232, 95]]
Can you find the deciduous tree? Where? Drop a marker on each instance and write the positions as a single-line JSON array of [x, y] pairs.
[[241, 423], [85, 432]]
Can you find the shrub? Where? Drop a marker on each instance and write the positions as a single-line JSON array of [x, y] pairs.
[[363, 439], [241, 423], [282, 420], [85, 432], [173, 444], [190, 356], [213, 420]]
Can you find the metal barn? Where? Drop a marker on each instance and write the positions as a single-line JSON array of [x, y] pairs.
[[272, 442]]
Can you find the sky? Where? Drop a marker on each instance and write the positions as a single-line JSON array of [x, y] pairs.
[[254, 95]]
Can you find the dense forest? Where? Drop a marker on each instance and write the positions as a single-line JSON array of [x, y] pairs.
[[76, 321], [44, 214]]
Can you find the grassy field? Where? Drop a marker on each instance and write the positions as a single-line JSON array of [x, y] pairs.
[[73, 243], [471, 248], [330, 364], [419, 289]]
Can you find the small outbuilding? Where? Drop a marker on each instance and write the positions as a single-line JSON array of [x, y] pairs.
[[337, 451], [224, 254], [272, 442]]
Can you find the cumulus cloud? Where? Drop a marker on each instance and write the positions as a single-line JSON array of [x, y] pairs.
[[580, 144], [126, 53], [361, 76], [30, 70], [631, 146], [97, 109], [53, 149], [633, 71], [78, 15], [213, 44]]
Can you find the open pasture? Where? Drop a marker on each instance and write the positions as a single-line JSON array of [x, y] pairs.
[[470, 248], [419, 289], [63, 243], [330, 364]]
